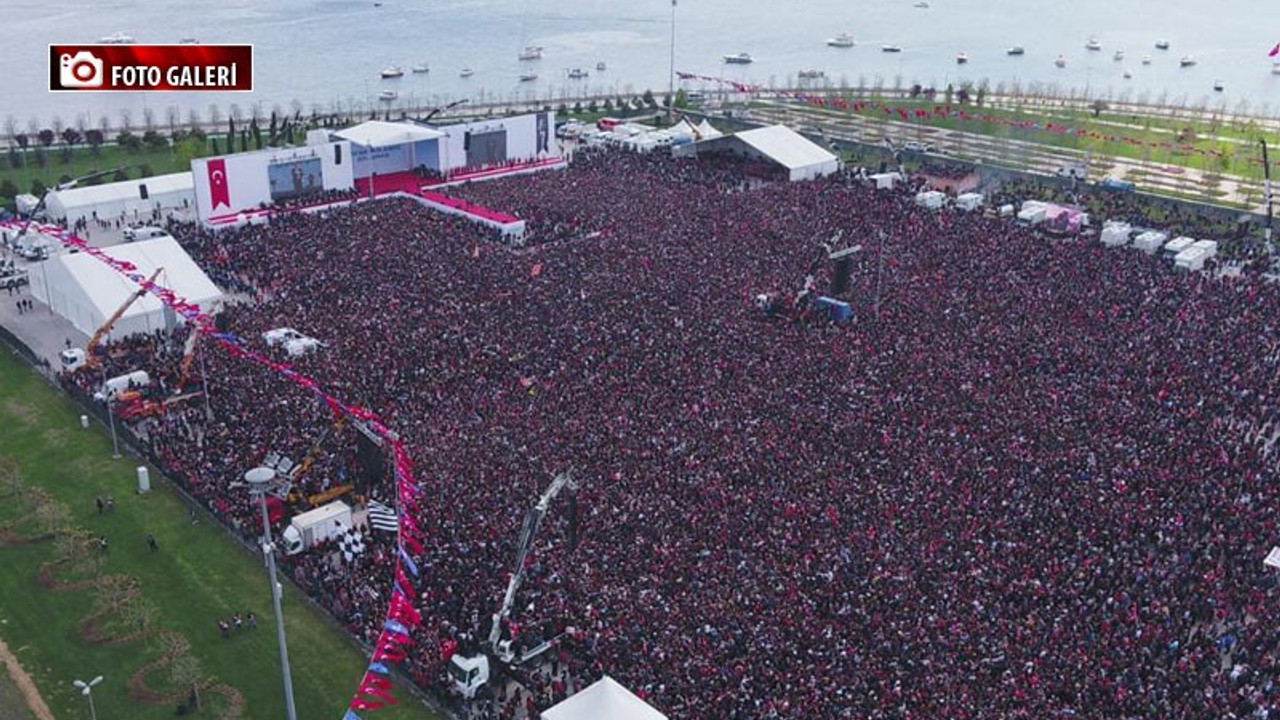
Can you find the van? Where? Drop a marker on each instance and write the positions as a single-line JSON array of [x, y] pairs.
[[143, 233], [114, 387]]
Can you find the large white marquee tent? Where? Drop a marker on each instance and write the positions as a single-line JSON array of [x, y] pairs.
[[87, 292], [802, 158], [604, 699], [112, 200]]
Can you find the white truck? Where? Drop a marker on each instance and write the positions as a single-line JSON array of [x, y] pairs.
[[113, 387], [313, 527], [1115, 234], [1192, 259]]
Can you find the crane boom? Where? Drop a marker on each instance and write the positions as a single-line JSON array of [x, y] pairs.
[[532, 522], [91, 358]]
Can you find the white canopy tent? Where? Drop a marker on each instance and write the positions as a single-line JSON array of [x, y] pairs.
[[603, 700], [802, 158], [113, 200], [380, 134], [87, 292]]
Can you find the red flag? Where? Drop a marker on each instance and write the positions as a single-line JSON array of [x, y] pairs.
[[1274, 51], [219, 191], [536, 270]]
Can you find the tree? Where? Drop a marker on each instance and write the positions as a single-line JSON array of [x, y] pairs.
[[121, 175], [95, 139], [129, 142], [46, 137], [231, 132], [23, 141], [648, 98], [8, 190], [185, 671], [682, 99], [145, 170], [154, 140], [126, 119], [951, 91], [148, 118], [38, 188], [188, 149]]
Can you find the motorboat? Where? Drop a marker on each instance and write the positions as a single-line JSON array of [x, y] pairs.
[[1275, 68], [1118, 56], [1060, 62], [388, 95], [577, 74], [466, 72], [1128, 74], [1093, 44], [739, 59], [890, 48], [962, 58], [117, 38], [843, 40], [531, 52], [188, 41], [1217, 86], [528, 77], [811, 74], [601, 67], [1187, 61], [922, 4], [1162, 44], [1016, 50], [394, 71], [1146, 59], [421, 68]]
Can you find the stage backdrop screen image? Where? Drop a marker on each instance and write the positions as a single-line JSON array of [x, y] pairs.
[[487, 148], [294, 179]]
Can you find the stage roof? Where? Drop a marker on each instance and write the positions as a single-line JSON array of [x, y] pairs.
[[127, 190], [380, 134], [603, 700], [786, 146]]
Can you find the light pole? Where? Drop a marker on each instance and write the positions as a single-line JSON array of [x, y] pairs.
[[671, 87], [111, 417], [259, 480], [86, 689]]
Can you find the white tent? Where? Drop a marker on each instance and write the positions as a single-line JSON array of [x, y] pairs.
[[87, 292], [603, 700], [802, 158], [706, 132], [111, 200], [379, 134]]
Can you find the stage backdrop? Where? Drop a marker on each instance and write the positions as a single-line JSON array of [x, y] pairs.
[[485, 142], [226, 185]]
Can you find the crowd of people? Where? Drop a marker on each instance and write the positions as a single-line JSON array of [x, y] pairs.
[[1032, 479]]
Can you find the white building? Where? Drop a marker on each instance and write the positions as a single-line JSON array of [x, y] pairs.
[[110, 201]]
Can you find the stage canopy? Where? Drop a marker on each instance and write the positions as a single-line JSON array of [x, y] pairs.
[[87, 292], [603, 700], [379, 134], [110, 200]]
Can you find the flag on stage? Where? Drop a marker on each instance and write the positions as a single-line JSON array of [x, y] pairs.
[[382, 517]]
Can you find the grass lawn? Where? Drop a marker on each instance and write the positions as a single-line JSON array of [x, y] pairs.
[[198, 576], [84, 162]]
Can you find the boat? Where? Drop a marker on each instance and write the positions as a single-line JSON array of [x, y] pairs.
[[388, 95], [739, 59], [394, 71], [1128, 74], [601, 67], [577, 73], [421, 68], [962, 58], [117, 38], [1162, 44], [811, 74], [843, 40], [1217, 86], [1275, 68], [890, 48], [1015, 50], [528, 77], [188, 41], [531, 52], [1093, 44], [1118, 56], [922, 4], [1187, 61], [466, 72], [1060, 62], [1146, 59]]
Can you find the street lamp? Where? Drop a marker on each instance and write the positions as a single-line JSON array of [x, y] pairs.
[[111, 417], [86, 689], [259, 480]]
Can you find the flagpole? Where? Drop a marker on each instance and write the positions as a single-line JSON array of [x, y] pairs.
[[671, 80], [1266, 189]]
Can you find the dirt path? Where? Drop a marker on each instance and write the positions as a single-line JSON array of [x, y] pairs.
[[25, 685]]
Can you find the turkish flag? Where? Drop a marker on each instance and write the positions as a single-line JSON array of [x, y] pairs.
[[219, 190]]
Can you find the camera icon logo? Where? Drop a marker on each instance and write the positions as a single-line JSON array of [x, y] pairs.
[[82, 70]]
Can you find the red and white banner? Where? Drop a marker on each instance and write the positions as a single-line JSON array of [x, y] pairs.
[[219, 189], [146, 68]]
